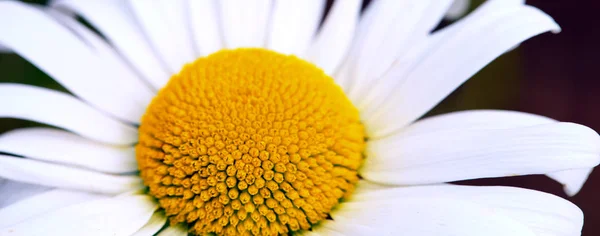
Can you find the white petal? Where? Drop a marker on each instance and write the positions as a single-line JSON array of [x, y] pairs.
[[294, 25], [245, 22], [456, 54], [572, 180], [166, 26], [178, 230], [458, 154], [421, 51], [12, 191], [335, 37], [424, 216], [71, 62], [64, 111], [113, 19], [384, 87], [477, 120], [63, 147], [397, 26], [205, 26], [110, 216], [36, 172], [156, 222], [102, 49], [41, 204], [458, 9], [543, 213], [343, 76]]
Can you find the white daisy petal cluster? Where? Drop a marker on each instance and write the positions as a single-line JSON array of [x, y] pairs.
[[80, 177]]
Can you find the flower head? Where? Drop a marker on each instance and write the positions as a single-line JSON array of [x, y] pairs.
[[252, 118]]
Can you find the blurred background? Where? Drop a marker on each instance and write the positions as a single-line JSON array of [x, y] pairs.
[[550, 75]]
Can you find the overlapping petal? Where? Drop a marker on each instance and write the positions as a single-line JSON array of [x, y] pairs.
[[245, 22], [94, 79], [166, 26], [412, 87], [451, 210], [63, 111], [294, 25], [107, 216], [40, 204], [53, 175], [114, 19], [442, 150], [62, 147], [205, 26], [335, 37]]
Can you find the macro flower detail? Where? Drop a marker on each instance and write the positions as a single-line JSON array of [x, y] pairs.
[[254, 117], [250, 140]]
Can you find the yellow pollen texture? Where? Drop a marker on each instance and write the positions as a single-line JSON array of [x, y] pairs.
[[250, 142]]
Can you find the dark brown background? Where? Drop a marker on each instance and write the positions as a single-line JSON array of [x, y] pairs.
[[551, 75]]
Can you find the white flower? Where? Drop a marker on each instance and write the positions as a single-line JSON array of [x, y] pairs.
[[388, 63]]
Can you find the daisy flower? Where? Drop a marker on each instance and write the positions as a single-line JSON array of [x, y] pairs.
[[255, 118]]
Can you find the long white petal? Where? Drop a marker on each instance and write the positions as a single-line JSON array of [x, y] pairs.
[[383, 87], [294, 25], [103, 50], [396, 27], [456, 54], [64, 111], [156, 222], [407, 60], [71, 62], [41, 204], [165, 24], [245, 22], [117, 24], [335, 37], [110, 216], [415, 157], [343, 76], [572, 180], [36, 172], [205, 26], [178, 230], [424, 216], [12, 191], [543, 213], [477, 120], [63, 147]]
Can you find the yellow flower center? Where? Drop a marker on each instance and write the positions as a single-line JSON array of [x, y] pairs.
[[250, 141]]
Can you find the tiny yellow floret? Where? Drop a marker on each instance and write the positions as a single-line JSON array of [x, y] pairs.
[[250, 142]]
